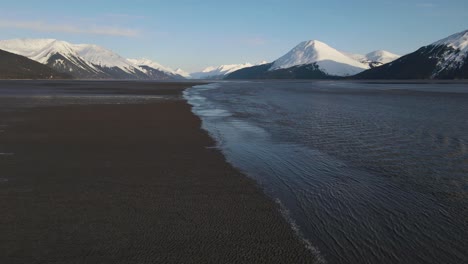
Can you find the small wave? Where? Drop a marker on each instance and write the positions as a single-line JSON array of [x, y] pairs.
[[295, 227], [200, 105], [213, 112]]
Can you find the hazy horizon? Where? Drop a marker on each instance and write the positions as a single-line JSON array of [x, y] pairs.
[[194, 35]]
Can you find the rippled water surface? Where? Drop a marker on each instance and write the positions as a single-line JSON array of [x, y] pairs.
[[367, 172]]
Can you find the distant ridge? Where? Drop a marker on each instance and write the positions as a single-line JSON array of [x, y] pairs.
[[14, 66], [151, 68], [314, 59], [219, 72], [85, 61], [375, 58], [443, 59]]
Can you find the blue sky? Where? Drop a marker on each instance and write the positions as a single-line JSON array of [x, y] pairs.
[[195, 34]]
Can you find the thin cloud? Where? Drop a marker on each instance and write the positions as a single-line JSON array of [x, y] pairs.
[[75, 29], [426, 5]]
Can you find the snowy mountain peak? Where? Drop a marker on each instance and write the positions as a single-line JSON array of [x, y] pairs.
[[100, 56], [221, 71], [456, 41], [375, 58], [147, 62], [227, 68], [312, 43], [39, 50], [182, 73], [455, 56], [381, 56], [155, 65], [328, 59], [25, 46]]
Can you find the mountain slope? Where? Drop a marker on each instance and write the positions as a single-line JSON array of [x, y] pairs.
[[182, 73], [59, 55], [328, 59], [308, 71], [156, 70], [14, 66], [220, 72], [83, 61], [254, 72], [103, 58], [39, 50], [375, 58], [381, 56], [444, 59]]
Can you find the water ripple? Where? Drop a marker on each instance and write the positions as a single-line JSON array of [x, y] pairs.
[[367, 176]]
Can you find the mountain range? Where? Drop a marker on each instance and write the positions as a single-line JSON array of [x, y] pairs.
[[14, 66], [443, 59], [86, 61], [314, 59]]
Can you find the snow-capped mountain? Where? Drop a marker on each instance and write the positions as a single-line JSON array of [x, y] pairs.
[[381, 56], [148, 66], [327, 59], [219, 72], [39, 50], [375, 58], [443, 59], [59, 55], [454, 55], [314, 59], [182, 73], [102, 57], [83, 61], [13, 66]]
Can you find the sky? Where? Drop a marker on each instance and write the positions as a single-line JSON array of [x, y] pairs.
[[196, 34]]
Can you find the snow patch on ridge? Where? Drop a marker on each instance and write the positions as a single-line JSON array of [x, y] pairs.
[[103, 57], [457, 54], [456, 41], [157, 66], [223, 70], [375, 58], [381, 56], [182, 73]]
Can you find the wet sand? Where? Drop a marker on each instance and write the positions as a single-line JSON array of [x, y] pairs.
[[128, 183]]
